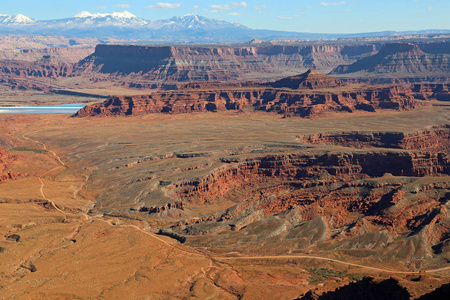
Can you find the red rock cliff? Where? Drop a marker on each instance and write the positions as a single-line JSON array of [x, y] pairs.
[[435, 139], [304, 104], [6, 160]]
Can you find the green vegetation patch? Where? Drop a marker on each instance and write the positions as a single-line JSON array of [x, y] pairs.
[[25, 148], [322, 274]]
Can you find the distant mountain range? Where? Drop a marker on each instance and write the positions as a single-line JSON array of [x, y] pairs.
[[189, 28]]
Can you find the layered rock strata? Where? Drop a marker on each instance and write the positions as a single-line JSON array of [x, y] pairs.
[[311, 80], [43, 68], [220, 63], [287, 102], [362, 200], [438, 91], [404, 62], [377, 205], [435, 139]]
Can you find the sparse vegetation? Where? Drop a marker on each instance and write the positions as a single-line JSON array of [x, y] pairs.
[[356, 277], [13, 237], [321, 274], [33, 268], [2, 249], [25, 148]]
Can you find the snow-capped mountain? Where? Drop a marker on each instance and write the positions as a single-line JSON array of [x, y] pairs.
[[103, 20], [85, 20], [192, 22], [16, 20], [125, 25], [189, 28]]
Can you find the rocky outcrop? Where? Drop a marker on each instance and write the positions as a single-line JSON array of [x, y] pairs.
[[438, 91], [440, 293], [402, 61], [69, 55], [159, 209], [6, 160], [309, 168], [43, 68], [368, 288], [435, 139], [281, 101], [18, 66], [353, 201], [309, 80]]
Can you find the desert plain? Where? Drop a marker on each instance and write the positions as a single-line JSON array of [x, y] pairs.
[[82, 183]]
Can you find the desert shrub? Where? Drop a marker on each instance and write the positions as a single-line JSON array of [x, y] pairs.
[[33, 268], [321, 274], [2, 249], [14, 237], [25, 148], [356, 277]]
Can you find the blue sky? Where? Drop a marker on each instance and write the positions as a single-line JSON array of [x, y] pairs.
[[303, 16]]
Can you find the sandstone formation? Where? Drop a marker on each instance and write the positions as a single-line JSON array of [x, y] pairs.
[[45, 68], [281, 99], [16, 66], [353, 202], [440, 293], [402, 62], [438, 91], [169, 67], [436, 139], [216, 63], [239, 191], [326, 202], [6, 160], [309, 80], [368, 288], [65, 55], [371, 288]]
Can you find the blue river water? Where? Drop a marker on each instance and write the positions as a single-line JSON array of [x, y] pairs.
[[43, 109]]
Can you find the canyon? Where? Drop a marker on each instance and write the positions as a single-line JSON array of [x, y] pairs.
[[402, 62], [433, 139], [172, 67], [310, 94], [261, 203], [227, 171]]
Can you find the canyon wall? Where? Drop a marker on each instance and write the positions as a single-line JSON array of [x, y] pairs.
[[311, 170], [436, 139], [153, 66], [42, 68], [63, 55], [438, 91], [44, 63], [304, 104], [401, 62], [375, 204], [217, 63], [343, 201]]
